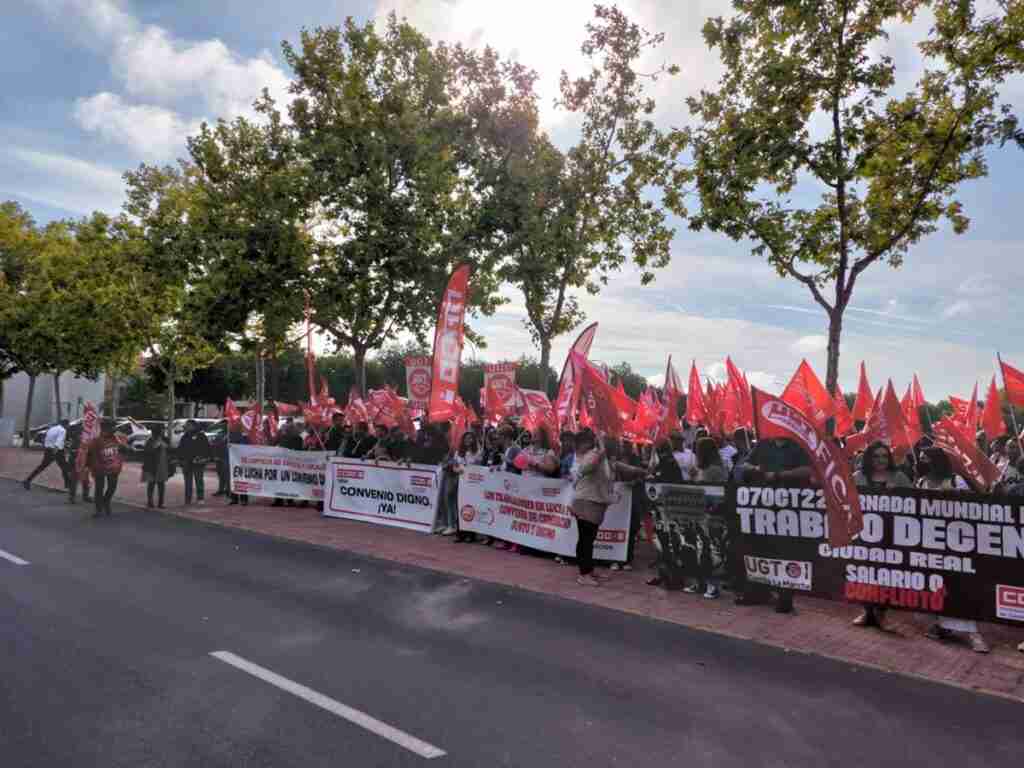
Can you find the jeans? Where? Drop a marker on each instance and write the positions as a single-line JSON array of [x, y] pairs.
[[194, 473], [585, 546], [106, 485], [223, 478], [51, 455], [159, 488]]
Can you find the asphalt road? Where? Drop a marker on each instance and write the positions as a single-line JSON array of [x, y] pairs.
[[106, 638]]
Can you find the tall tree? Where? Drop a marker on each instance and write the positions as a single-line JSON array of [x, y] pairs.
[[19, 240], [575, 218], [385, 126], [807, 108]]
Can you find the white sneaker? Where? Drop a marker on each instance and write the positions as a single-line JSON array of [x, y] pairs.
[[448, 532], [200, 503], [587, 581]]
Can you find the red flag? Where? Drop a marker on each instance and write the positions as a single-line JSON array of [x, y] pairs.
[[669, 421], [448, 339], [918, 394], [911, 416], [356, 410], [992, 419], [601, 397], [968, 461], [806, 392], [417, 381], [500, 384], [738, 383], [1013, 383], [885, 423], [960, 408], [252, 422], [775, 418], [231, 413], [568, 391], [865, 401], [973, 415], [844, 420], [730, 414], [695, 409], [537, 412], [90, 431]]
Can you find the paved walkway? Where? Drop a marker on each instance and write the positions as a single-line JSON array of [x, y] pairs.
[[818, 626]]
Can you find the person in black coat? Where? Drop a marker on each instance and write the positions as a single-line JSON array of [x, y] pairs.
[[193, 453]]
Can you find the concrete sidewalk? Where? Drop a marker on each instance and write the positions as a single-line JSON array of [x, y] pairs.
[[819, 627]]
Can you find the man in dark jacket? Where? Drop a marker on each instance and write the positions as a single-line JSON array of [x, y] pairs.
[[361, 442], [193, 453], [336, 434]]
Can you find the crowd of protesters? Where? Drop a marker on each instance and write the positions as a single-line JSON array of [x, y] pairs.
[[591, 463]]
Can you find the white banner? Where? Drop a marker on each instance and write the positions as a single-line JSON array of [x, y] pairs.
[[535, 512], [262, 470], [399, 495]]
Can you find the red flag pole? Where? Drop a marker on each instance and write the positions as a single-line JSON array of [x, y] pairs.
[[1013, 415]]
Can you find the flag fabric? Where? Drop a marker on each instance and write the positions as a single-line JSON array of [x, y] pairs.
[[911, 416], [992, 420], [968, 461], [775, 418], [669, 421], [960, 408], [886, 424], [448, 339], [90, 431], [973, 415], [568, 392], [844, 419], [806, 392], [231, 413], [601, 397], [865, 400], [537, 412], [695, 409], [1013, 383], [417, 381], [737, 382], [252, 422], [500, 384], [918, 393]]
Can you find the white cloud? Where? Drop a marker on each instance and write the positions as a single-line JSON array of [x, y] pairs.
[[957, 309], [156, 133], [61, 181], [809, 345], [172, 82]]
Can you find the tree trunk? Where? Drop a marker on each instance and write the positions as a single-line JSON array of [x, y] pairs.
[[115, 396], [56, 394], [275, 379], [26, 440], [545, 364], [359, 357], [260, 381], [835, 330], [170, 400], [1, 398]]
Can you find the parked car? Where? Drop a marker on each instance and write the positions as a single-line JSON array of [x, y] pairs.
[[131, 430], [178, 428], [137, 441]]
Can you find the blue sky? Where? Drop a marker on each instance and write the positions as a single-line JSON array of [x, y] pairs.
[[94, 87]]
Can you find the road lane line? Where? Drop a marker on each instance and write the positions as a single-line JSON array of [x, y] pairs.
[[12, 558], [354, 716]]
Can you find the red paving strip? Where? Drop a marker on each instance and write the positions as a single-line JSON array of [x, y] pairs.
[[820, 627]]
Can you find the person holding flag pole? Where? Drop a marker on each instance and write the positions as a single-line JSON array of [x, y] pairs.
[[1013, 385]]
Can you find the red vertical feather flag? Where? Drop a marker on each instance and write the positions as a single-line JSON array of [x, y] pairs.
[[992, 418], [865, 401]]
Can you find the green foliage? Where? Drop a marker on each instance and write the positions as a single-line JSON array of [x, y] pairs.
[[632, 381], [807, 107], [385, 127], [574, 219]]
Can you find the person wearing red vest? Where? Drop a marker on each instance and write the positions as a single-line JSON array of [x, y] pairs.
[[105, 462]]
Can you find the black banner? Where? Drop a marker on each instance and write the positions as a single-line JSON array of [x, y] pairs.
[[695, 535], [955, 554]]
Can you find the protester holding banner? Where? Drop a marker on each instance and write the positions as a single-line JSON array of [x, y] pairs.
[[878, 472], [336, 434], [541, 458], [685, 458], [468, 454], [360, 443], [710, 467], [156, 466], [593, 494], [193, 453], [237, 437], [631, 473]]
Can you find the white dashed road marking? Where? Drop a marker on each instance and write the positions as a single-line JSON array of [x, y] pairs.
[[354, 716], [12, 558]]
